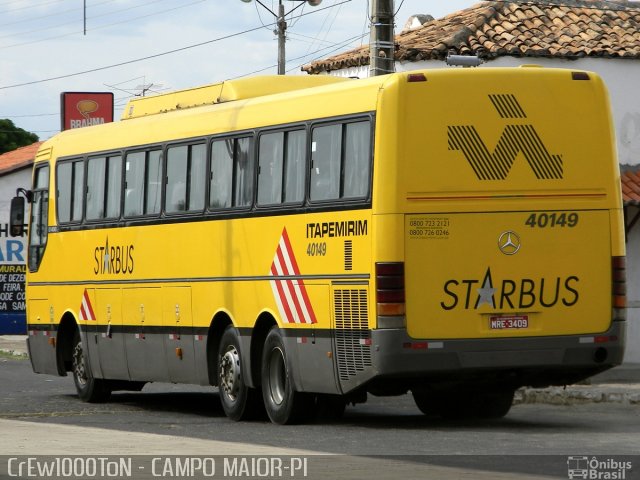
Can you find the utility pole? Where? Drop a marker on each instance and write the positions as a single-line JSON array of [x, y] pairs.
[[281, 26], [381, 44], [282, 38]]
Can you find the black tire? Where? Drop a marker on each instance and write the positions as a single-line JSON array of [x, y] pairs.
[[92, 390], [239, 402], [463, 404], [284, 405]]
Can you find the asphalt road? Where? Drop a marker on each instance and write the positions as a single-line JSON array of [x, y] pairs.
[[41, 415]]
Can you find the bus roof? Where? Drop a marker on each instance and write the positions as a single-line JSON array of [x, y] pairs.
[[226, 91]]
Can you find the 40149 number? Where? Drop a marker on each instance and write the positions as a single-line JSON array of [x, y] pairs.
[[551, 220], [317, 249]]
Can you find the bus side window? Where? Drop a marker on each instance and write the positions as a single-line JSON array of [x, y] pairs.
[[153, 182], [143, 183], [282, 160], [221, 173], [95, 187], [197, 176], [186, 174], [357, 160], [63, 188], [243, 170], [176, 198], [270, 159], [114, 186], [70, 191], [134, 184], [295, 166], [39, 222], [326, 149]]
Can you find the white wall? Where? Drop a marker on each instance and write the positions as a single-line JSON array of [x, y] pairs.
[[632, 354], [8, 185]]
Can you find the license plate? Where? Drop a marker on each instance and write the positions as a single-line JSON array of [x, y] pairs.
[[508, 323]]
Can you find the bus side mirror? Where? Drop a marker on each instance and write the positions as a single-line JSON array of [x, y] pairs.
[[16, 221]]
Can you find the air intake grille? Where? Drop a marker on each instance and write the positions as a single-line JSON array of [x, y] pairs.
[[353, 337], [348, 254]]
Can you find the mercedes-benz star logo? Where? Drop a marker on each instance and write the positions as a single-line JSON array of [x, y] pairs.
[[509, 243]]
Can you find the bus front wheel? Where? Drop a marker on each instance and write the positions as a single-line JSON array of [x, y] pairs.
[[283, 403], [90, 389], [239, 402]]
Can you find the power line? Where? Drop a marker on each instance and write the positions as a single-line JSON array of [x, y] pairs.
[[117, 102], [128, 62], [157, 55], [100, 26], [49, 15], [31, 6], [324, 22], [29, 116]]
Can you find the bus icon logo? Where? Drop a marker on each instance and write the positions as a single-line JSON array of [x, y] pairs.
[[578, 467], [515, 140]]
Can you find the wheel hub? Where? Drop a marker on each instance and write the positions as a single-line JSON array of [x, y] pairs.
[[277, 376], [79, 370], [230, 373]]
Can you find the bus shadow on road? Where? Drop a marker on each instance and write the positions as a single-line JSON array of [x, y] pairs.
[[206, 404], [397, 413]]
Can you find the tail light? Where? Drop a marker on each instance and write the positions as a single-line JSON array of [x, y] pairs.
[[619, 287], [390, 300]]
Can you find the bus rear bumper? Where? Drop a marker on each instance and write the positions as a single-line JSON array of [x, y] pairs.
[[535, 361]]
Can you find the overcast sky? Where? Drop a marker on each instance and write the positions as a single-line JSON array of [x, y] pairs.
[[126, 42]]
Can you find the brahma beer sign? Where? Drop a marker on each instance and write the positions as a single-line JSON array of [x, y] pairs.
[[83, 109]]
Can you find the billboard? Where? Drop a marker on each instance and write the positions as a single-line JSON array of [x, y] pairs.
[[83, 109], [12, 281]]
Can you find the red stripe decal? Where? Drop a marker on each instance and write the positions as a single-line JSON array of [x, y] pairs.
[[291, 295]]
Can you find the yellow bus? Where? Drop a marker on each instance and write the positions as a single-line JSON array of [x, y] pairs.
[[302, 242]]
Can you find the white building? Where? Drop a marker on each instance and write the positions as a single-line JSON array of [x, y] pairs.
[[599, 36], [15, 172]]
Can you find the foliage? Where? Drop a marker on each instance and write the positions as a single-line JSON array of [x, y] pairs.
[[12, 137]]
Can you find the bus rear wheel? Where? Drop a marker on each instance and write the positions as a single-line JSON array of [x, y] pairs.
[[90, 389], [283, 403], [239, 402], [465, 404]]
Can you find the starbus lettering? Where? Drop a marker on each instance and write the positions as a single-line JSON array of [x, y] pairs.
[[114, 259], [349, 228], [473, 293]]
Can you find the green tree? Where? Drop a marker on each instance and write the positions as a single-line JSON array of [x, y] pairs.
[[12, 137]]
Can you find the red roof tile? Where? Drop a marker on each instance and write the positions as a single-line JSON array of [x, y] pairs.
[[630, 180], [543, 28], [18, 158]]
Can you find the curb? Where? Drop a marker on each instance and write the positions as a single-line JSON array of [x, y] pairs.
[[578, 395], [14, 353]]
